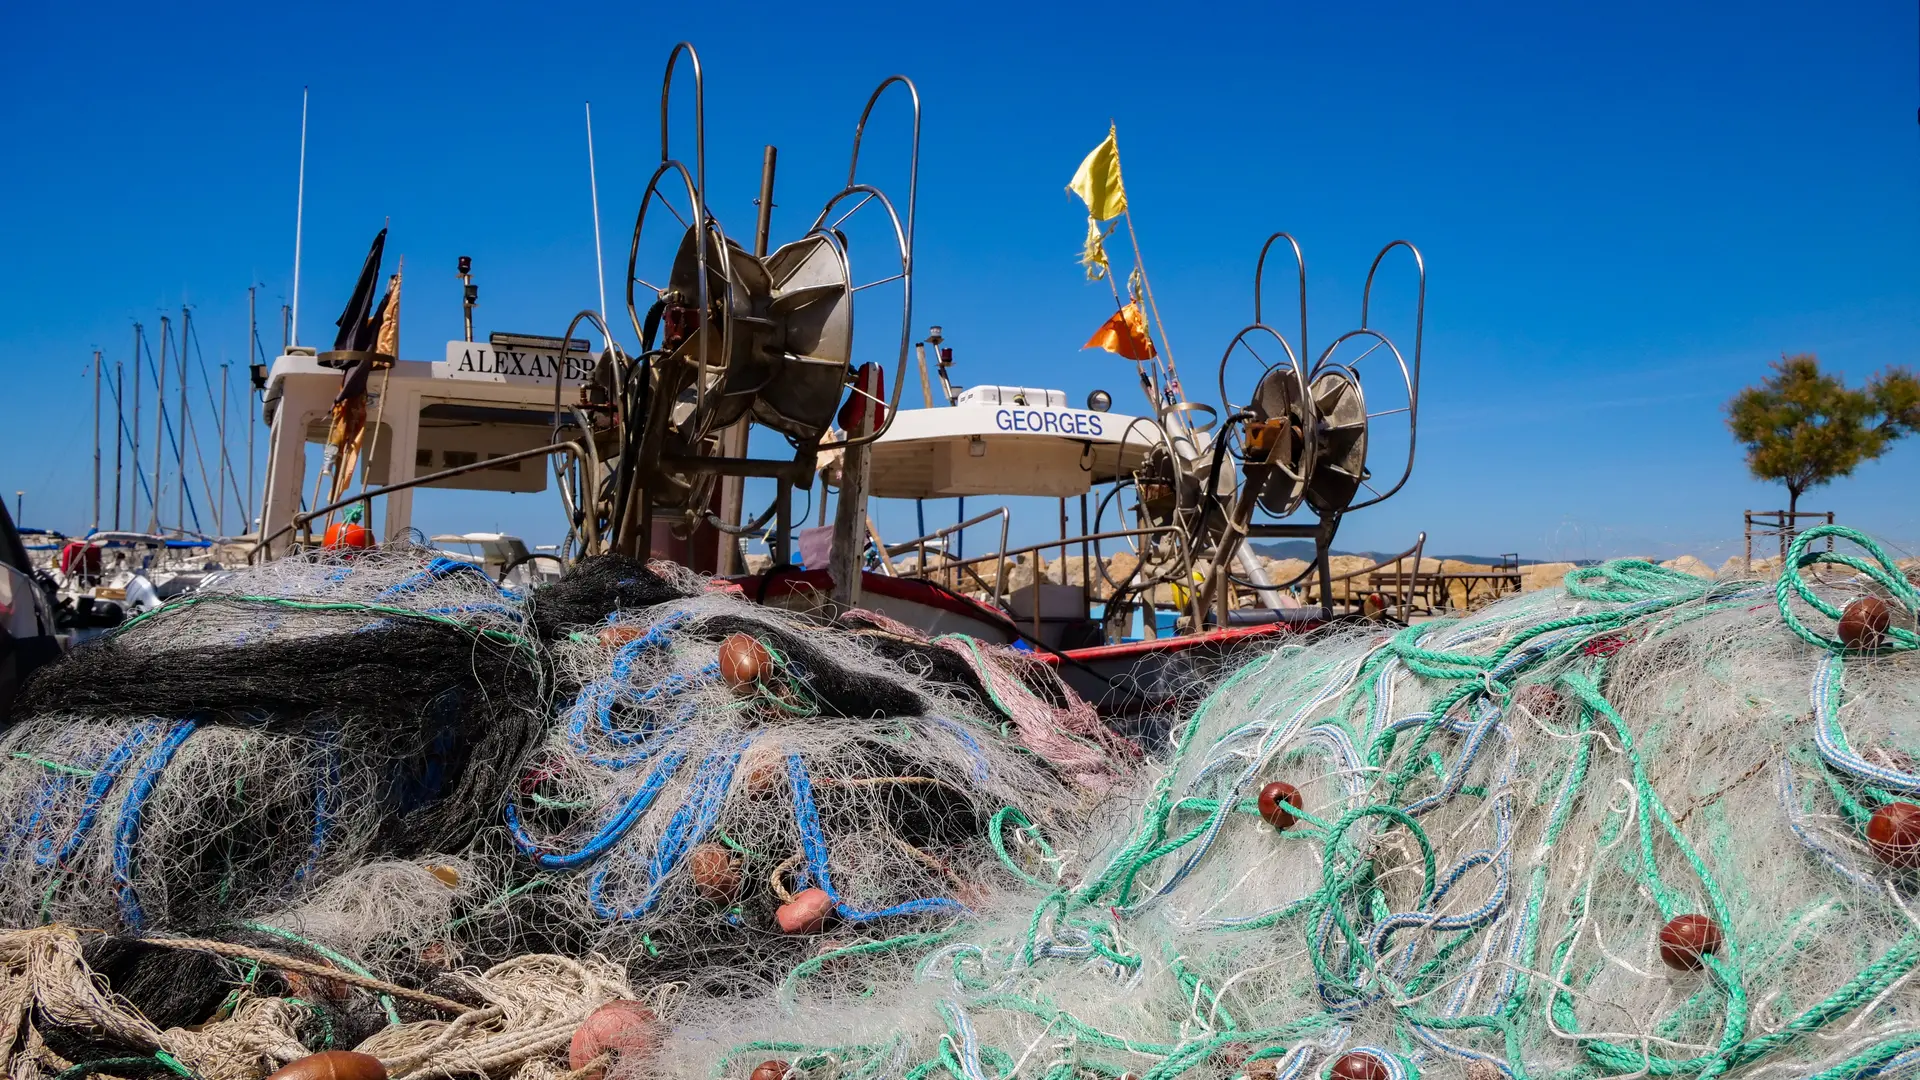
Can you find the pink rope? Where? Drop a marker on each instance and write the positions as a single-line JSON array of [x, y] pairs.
[[1069, 736]]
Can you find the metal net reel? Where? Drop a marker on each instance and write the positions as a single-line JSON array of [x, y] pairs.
[[727, 335], [1304, 437]]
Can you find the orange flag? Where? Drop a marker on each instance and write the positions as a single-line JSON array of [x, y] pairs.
[[1124, 335]]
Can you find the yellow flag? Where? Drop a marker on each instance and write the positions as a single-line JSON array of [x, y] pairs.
[[1098, 180], [1094, 255]]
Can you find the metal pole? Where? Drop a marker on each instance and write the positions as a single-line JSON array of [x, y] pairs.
[[119, 426], [1086, 571], [159, 423], [180, 425], [253, 336], [733, 441], [220, 494], [599, 263], [133, 433], [764, 226], [299, 216], [96, 439]]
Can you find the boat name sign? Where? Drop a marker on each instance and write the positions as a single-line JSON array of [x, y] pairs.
[[489, 363], [1048, 421]]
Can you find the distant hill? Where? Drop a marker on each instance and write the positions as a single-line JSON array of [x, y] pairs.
[[1303, 550]]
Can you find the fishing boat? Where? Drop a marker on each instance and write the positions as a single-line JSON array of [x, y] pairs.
[[650, 451]]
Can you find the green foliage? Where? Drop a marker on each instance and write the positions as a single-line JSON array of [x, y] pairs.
[[1804, 427]]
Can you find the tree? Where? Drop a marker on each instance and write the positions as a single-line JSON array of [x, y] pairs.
[[1805, 428]]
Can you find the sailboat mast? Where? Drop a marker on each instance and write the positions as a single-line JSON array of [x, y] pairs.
[[159, 422], [133, 433], [180, 426], [119, 430], [253, 336], [220, 489], [96, 440]]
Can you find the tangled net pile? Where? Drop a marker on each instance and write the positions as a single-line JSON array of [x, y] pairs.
[[1619, 829], [225, 752], [723, 776], [1642, 825], [302, 809]]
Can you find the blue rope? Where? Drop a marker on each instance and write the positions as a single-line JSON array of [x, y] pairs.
[[689, 825], [322, 815], [610, 833], [440, 568], [813, 843], [128, 830], [96, 793]]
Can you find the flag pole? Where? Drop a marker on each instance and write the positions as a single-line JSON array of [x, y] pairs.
[[380, 410]]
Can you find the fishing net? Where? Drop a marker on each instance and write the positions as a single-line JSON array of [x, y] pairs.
[[729, 781], [238, 746], [1645, 824]]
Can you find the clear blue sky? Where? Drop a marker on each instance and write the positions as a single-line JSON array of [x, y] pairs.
[[1625, 214]]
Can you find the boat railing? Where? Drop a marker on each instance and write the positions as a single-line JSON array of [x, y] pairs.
[[302, 523], [950, 572]]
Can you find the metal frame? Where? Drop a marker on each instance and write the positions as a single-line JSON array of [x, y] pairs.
[[632, 521], [1240, 525], [999, 558], [301, 522]]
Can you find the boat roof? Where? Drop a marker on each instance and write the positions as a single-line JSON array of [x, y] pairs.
[[1025, 445], [112, 538]]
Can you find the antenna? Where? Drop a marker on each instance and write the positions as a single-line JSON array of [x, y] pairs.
[[599, 263], [299, 213]]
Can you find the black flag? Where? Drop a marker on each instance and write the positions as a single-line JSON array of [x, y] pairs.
[[357, 329]]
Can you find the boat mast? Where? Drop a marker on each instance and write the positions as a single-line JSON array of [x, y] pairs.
[[253, 339], [96, 440], [133, 433], [220, 466], [180, 435], [299, 213], [119, 430], [159, 423]]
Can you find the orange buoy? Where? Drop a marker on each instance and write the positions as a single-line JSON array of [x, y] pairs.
[[1358, 1065], [333, 1065], [716, 874], [806, 913], [1686, 940], [350, 535], [624, 1027], [1864, 622], [771, 1070], [744, 663], [613, 637], [1894, 834], [1275, 798]]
